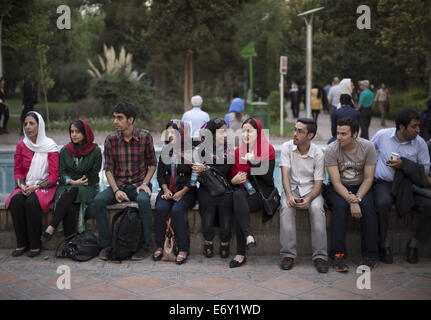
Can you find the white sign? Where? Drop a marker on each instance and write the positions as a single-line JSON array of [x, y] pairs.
[[283, 65]]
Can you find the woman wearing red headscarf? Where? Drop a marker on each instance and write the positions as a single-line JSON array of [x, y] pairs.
[[254, 163], [80, 163]]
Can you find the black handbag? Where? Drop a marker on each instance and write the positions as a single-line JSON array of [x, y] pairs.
[[272, 202], [79, 247], [214, 181]]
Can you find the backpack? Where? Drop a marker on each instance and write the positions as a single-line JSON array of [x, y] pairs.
[[79, 247], [127, 233]]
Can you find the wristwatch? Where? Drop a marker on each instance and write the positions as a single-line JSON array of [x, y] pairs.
[[145, 183], [359, 199]]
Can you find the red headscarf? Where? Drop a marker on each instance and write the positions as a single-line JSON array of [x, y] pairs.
[[87, 147], [261, 149]]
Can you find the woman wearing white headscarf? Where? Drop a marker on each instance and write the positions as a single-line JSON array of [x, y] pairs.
[[36, 173]]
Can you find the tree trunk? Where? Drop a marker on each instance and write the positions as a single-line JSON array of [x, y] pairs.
[[188, 79], [428, 59]]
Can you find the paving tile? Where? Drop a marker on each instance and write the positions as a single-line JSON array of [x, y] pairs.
[[188, 275], [328, 293], [24, 285], [142, 283], [177, 292], [391, 268], [289, 285], [403, 294], [45, 294], [8, 278], [418, 282], [252, 292], [101, 291], [214, 284], [262, 276], [7, 293]]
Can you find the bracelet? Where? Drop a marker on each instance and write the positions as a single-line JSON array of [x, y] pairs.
[[116, 191]]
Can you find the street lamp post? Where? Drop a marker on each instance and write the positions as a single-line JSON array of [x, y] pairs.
[[309, 58]]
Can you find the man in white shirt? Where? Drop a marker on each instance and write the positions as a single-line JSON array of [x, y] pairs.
[[302, 168], [196, 117], [334, 95]]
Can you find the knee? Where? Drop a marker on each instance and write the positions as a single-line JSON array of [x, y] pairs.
[[31, 203], [143, 199]]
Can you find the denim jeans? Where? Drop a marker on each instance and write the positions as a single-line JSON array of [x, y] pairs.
[[340, 210], [99, 211]]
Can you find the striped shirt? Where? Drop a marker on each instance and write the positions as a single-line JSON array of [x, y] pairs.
[[129, 161]]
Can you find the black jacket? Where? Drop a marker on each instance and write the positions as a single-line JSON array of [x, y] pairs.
[[410, 173]]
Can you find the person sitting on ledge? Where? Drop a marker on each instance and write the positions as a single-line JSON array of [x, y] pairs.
[[130, 162], [80, 163], [405, 142], [36, 175]]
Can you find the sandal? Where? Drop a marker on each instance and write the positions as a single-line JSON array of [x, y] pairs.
[[158, 254], [183, 258], [208, 250]]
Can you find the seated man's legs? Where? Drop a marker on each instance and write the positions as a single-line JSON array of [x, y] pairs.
[[99, 211], [368, 227], [383, 203], [287, 229], [145, 212], [319, 240], [423, 227], [339, 210]]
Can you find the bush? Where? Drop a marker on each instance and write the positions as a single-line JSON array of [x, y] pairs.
[[273, 101], [112, 90], [71, 82], [83, 109]]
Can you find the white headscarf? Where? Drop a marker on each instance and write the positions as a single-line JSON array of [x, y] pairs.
[[346, 86], [39, 164]]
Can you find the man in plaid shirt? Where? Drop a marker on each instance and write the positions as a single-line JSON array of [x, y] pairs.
[[130, 162]]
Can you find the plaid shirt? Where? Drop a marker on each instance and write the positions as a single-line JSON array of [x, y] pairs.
[[129, 161]]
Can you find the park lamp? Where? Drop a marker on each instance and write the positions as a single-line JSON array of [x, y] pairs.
[[309, 23]]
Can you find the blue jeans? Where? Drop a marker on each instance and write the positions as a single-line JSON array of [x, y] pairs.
[[99, 211], [340, 210], [178, 211]]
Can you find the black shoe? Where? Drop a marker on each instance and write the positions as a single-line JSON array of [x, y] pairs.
[[224, 251], [287, 263], [208, 250], [251, 244], [235, 263], [159, 256], [32, 254], [104, 253], [182, 259], [385, 255], [17, 253], [412, 254], [370, 263], [45, 237], [321, 265], [340, 263]]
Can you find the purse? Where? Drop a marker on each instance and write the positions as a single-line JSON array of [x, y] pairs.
[[214, 181], [169, 246], [270, 204]]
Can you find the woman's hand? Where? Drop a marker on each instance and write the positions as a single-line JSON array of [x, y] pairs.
[[30, 189], [167, 195], [179, 195], [249, 157], [83, 181], [240, 178], [198, 167]]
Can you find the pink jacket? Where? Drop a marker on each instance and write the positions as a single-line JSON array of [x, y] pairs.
[[22, 158]]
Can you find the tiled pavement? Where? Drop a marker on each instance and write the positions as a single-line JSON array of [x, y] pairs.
[[202, 278]]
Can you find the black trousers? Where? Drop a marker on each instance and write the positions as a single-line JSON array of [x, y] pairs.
[[65, 211], [295, 110], [208, 215], [315, 114], [243, 206], [383, 203], [27, 220], [364, 121]]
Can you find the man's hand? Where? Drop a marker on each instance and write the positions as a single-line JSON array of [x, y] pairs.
[[355, 210], [145, 188], [396, 164], [178, 195], [121, 196], [351, 198], [291, 201], [305, 202]]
